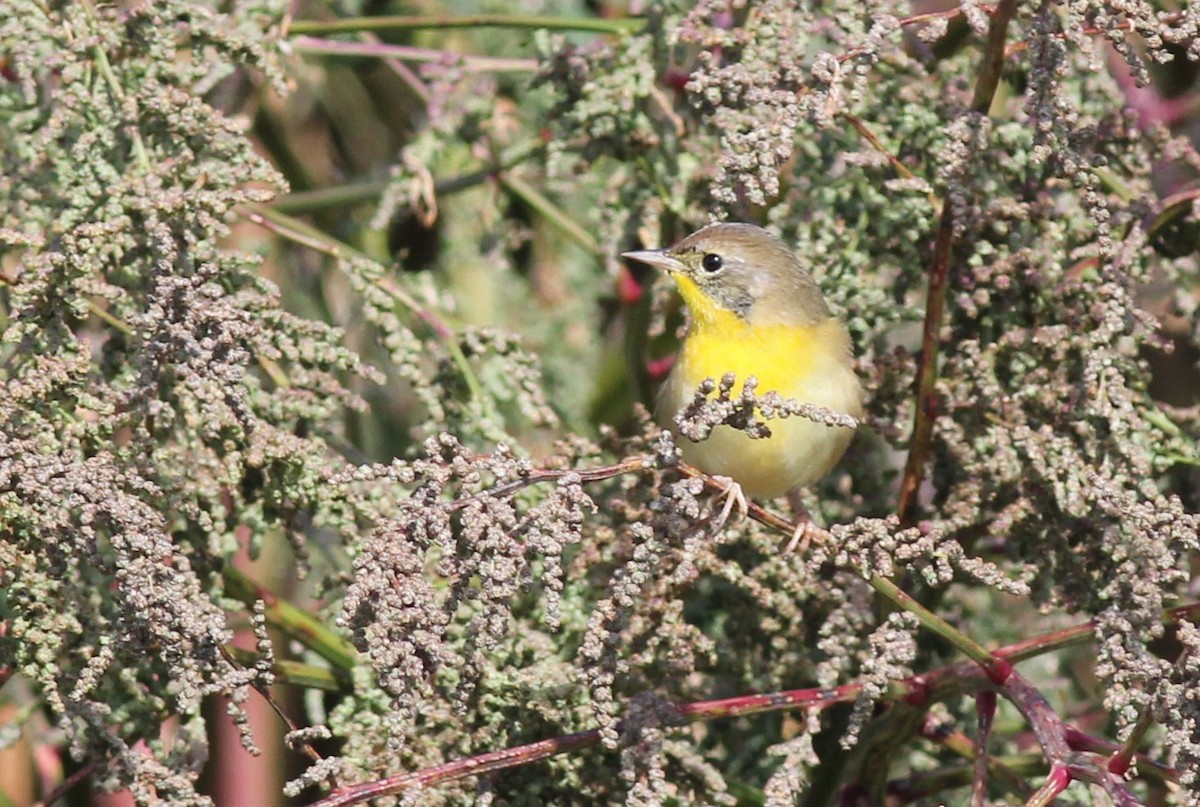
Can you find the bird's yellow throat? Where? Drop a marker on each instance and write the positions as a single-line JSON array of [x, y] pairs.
[[782, 357]]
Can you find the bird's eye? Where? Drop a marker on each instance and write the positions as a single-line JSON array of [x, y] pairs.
[[712, 262]]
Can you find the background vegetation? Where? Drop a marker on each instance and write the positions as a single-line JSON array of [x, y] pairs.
[[324, 387]]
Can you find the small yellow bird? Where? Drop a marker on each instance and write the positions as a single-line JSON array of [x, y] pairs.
[[755, 310]]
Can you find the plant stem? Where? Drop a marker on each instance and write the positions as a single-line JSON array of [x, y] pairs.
[[381, 50], [938, 685], [392, 24], [552, 212], [295, 622], [301, 233], [939, 281]]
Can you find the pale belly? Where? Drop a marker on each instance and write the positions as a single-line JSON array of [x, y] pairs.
[[799, 451]]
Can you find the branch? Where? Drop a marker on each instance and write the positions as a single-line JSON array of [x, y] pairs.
[[1057, 739], [297, 231], [939, 275], [996, 668]]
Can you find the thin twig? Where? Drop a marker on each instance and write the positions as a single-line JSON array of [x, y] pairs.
[[362, 192], [996, 667], [900, 168], [1169, 18], [635, 464], [118, 94], [67, 785], [1147, 768], [295, 622], [552, 212], [393, 24], [265, 692], [932, 783], [1123, 757], [460, 769], [959, 743], [297, 673], [382, 50]]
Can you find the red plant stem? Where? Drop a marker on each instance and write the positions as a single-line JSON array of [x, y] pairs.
[[1056, 783], [1066, 766], [997, 665], [939, 280], [1079, 741], [543, 749], [917, 19], [1088, 30], [67, 785], [985, 705], [472, 766], [772, 702], [1058, 740], [964, 746]]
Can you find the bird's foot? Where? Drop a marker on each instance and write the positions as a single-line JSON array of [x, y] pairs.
[[731, 497], [802, 536], [805, 530]]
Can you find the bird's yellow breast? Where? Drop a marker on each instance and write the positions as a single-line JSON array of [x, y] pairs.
[[780, 356]]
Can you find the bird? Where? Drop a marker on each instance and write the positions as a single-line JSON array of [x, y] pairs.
[[754, 309]]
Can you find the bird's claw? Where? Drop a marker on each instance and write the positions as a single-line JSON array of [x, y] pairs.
[[731, 496], [805, 531]]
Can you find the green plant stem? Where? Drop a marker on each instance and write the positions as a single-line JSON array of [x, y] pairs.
[[1123, 757], [301, 233], [931, 783], [552, 212], [965, 747], [393, 24], [295, 622], [295, 673], [381, 50], [114, 86], [362, 192], [93, 307], [337, 196], [103, 315], [996, 667], [1173, 207], [897, 164], [77, 777]]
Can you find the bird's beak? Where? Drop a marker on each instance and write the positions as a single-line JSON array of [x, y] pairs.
[[659, 258]]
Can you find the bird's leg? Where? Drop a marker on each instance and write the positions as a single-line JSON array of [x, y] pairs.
[[731, 497], [805, 528]]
